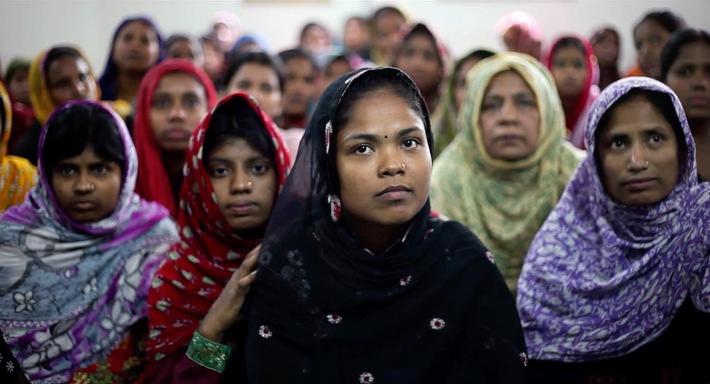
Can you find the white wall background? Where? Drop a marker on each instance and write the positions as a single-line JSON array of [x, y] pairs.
[[28, 26]]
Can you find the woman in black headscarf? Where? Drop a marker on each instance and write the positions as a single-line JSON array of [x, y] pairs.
[[358, 281]]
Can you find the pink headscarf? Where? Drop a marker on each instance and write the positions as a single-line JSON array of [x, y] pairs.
[[521, 32]]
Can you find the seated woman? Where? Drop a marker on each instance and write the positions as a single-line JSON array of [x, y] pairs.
[[606, 46], [444, 120], [57, 75], [17, 175], [261, 76], [135, 48], [685, 67], [423, 56], [18, 86], [509, 163], [574, 68], [357, 281], [615, 286], [183, 46], [650, 36], [174, 96], [79, 255], [237, 164]]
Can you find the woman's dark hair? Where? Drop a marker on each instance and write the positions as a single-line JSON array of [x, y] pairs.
[[603, 32], [377, 80], [478, 54], [385, 11], [309, 26], [236, 119], [663, 103], [676, 42], [335, 59], [670, 21], [252, 57], [15, 66], [566, 42], [57, 53], [179, 37], [77, 127], [297, 53]]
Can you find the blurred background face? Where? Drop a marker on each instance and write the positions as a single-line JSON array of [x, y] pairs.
[[355, 35], [186, 49], [334, 70], [419, 58], [315, 40], [299, 86], [569, 69], [225, 36], [68, 78], [388, 33], [262, 82], [136, 48], [649, 39], [19, 86], [689, 77], [606, 49], [178, 104], [214, 59]]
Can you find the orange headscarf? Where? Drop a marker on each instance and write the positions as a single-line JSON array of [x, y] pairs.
[[17, 175], [41, 100]]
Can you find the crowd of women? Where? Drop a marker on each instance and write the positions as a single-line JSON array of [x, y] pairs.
[[207, 212]]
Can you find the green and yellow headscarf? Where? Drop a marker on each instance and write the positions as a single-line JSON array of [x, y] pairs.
[[504, 202]]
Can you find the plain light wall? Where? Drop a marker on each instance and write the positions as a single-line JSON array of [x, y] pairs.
[[27, 27]]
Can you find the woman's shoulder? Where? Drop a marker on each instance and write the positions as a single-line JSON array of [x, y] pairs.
[[165, 227], [460, 243]]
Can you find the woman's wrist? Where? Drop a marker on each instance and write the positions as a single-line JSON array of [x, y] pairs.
[[208, 353], [209, 332]]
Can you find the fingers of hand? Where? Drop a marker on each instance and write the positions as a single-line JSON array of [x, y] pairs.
[[245, 282]]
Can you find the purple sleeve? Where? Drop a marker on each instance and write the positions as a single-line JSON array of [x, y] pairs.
[[177, 368]]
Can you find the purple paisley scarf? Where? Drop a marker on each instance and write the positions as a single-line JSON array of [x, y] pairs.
[[602, 279], [69, 293]]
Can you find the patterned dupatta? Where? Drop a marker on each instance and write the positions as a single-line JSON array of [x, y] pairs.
[[69, 292], [208, 253]]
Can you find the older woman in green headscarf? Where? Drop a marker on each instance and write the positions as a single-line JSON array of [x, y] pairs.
[[509, 164]]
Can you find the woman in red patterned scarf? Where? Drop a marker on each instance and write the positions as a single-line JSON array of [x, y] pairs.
[[236, 165]]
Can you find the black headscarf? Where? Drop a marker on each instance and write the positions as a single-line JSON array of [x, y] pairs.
[[431, 308]]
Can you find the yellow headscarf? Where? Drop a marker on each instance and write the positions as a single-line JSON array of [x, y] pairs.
[[17, 175], [41, 100], [504, 202]]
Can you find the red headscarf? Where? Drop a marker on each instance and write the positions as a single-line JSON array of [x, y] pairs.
[[576, 120], [153, 183], [199, 267]]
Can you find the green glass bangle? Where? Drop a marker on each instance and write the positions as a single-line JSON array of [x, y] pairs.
[[207, 353]]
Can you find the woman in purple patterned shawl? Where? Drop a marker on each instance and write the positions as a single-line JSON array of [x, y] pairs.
[[616, 287], [77, 257]]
